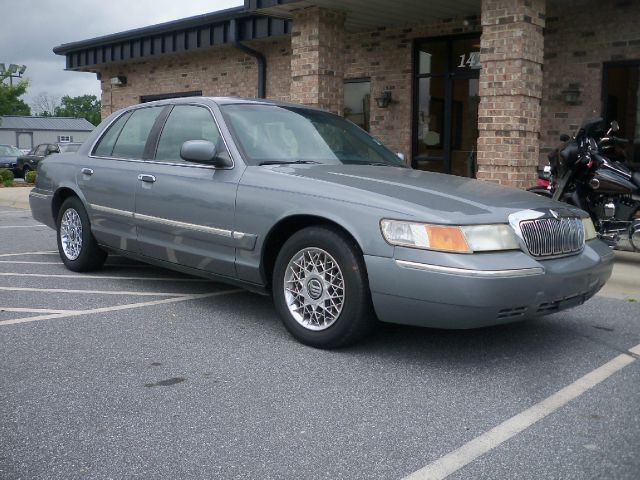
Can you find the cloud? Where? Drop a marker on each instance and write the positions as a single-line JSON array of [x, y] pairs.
[[31, 28]]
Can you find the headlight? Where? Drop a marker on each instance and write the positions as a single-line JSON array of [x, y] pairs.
[[589, 230], [459, 239]]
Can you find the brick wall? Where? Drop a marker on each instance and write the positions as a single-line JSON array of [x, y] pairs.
[[510, 90], [219, 71], [579, 37]]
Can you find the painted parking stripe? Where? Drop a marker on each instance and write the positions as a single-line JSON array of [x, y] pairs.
[[34, 310], [24, 226], [454, 461], [129, 306], [91, 292], [104, 277], [25, 262], [48, 252]]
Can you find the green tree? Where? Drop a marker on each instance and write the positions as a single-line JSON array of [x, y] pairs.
[[10, 102], [83, 106]]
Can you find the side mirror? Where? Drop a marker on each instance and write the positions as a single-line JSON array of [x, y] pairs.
[[202, 151], [401, 156], [564, 137]]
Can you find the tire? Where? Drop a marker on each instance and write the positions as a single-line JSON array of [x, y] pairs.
[[343, 289], [79, 252], [25, 170]]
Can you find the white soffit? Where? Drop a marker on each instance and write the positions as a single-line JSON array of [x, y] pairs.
[[369, 14]]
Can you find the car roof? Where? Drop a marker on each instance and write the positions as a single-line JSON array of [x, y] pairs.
[[221, 101]]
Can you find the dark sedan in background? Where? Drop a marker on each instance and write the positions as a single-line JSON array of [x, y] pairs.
[[9, 158], [30, 161], [304, 205]]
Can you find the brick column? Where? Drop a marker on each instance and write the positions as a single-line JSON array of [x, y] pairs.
[[511, 52], [317, 71]]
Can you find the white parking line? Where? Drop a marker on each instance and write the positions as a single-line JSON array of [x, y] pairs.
[[115, 308], [34, 310], [25, 262], [93, 292], [454, 461], [48, 252], [104, 277], [24, 226]]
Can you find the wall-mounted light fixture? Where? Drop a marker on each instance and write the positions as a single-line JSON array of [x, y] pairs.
[[571, 96], [119, 81], [384, 100]]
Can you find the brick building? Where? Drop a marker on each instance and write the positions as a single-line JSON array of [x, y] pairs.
[[472, 87]]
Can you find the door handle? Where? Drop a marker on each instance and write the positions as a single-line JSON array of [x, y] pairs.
[[87, 171], [145, 177]]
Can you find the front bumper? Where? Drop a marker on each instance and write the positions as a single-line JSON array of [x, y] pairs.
[[438, 290]]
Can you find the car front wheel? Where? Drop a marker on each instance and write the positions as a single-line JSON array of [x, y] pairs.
[[78, 248], [320, 288]]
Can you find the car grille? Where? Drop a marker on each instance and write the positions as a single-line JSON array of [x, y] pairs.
[[547, 237]]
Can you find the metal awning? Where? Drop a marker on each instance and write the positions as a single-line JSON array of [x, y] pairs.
[[184, 35], [362, 15]]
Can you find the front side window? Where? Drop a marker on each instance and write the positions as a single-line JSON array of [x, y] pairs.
[[134, 134], [272, 133], [186, 122]]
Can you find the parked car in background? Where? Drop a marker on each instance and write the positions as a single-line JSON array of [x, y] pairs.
[[9, 158], [30, 161], [302, 204]]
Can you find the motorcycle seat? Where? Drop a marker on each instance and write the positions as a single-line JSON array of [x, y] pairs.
[[636, 178]]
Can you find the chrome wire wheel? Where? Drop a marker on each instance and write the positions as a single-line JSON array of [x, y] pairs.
[[314, 289], [71, 234]]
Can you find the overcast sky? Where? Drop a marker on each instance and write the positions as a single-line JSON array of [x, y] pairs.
[[31, 28]]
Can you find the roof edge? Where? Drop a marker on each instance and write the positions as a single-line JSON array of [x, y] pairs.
[[182, 23]]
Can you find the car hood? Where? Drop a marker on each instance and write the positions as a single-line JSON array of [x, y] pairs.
[[427, 195]]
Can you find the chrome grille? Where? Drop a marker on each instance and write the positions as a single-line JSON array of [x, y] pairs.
[[547, 237]]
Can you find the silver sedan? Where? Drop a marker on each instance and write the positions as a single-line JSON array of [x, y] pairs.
[[303, 205]]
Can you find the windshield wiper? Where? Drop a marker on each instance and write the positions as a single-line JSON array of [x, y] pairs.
[[287, 162]]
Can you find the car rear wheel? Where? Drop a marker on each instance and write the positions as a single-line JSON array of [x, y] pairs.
[[320, 288], [78, 248], [25, 170]]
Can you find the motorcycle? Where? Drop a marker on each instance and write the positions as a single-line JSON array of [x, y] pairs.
[[587, 171]]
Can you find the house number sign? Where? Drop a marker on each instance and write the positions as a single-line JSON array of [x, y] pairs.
[[470, 60]]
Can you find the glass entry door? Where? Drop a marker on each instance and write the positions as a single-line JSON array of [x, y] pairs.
[[445, 124]]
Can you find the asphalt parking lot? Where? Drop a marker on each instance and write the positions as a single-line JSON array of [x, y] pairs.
[[138, 372]]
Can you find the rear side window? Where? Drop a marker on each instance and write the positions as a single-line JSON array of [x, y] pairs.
[[134, 134], [108, 140], [186, 122]]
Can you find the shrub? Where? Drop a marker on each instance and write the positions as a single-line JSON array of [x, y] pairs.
[[30, 177], [6, 174], [6, 177]]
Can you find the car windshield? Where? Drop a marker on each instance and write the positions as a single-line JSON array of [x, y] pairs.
[[288, 134], [9, 151], [72, 147]]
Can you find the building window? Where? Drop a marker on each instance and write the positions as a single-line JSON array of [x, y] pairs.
[[65, 138], [357, 95]]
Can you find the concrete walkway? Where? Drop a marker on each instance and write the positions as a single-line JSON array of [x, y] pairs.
[[17, 197], [624, 283]]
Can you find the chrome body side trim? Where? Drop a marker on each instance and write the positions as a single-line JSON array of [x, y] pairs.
[[519, 272], [242, 240], [39, 195], [113, 211]]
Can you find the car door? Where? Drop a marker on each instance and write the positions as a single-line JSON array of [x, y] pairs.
[[108, 177], [31, 160], [185, 210]]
